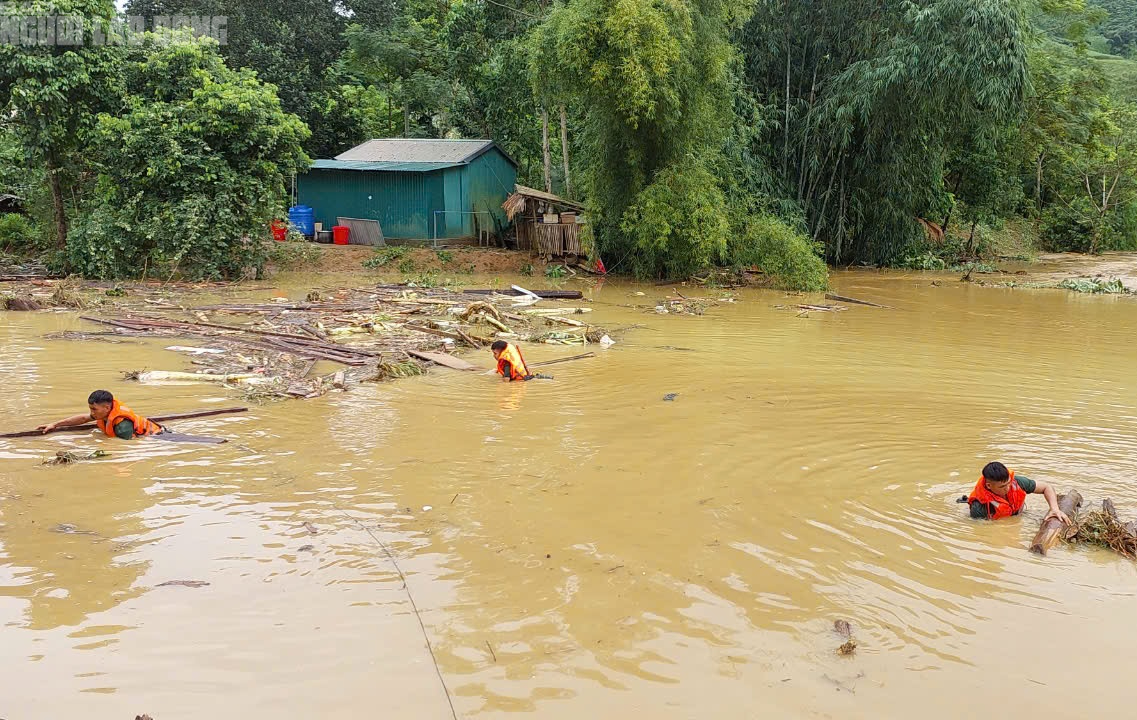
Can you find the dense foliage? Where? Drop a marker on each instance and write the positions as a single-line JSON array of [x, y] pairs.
[[191, 173], [697, 131]]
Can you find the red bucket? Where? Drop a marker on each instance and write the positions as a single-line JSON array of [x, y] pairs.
[[279, 231], [341, 234]]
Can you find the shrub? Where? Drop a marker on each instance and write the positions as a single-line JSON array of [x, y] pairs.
[[385, 254], [678, 224], [785, 254], [17, 233]]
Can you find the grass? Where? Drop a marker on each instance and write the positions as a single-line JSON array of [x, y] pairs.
[[385, 255], [555, 272], [293, 254], [1121, 73], [445, 257]]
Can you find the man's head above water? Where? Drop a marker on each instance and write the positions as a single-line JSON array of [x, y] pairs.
[[100, 402], [997, 477]]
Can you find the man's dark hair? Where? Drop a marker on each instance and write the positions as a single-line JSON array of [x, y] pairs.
[[100, 397], [996, 472], [499, 345]]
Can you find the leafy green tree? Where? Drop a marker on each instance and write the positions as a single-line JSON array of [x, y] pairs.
[[1105, 171], [50, 94], [866, 96], [678, 224], [191, 174], [407, 60], [295, 45], [653, 83], [1120, 25]]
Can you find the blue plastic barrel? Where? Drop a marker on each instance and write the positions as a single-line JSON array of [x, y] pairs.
[[303, 218]]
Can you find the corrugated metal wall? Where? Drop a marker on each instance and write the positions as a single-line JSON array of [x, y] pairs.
[[489, 181], [404, 203]]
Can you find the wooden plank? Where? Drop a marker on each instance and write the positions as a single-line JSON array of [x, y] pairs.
[[443, 359], [155, 418], [1050, 530]]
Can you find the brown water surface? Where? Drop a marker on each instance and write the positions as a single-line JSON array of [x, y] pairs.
[[591, 550]]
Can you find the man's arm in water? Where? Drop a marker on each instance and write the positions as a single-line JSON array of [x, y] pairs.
[[66, 422]]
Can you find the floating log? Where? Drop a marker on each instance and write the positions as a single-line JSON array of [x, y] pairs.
[[1051, 530], [842, 298], [155, 418], [543, 294], [442, 359]]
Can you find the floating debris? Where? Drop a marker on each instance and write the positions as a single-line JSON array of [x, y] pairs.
[[68, 457], [382, 333], [183, 583], [669, 397], [1095, 286], [1103, 528], [848, 648]]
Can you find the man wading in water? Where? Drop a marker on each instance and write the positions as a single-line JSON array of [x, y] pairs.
[[510, 363], [999, 494], [113, 418]]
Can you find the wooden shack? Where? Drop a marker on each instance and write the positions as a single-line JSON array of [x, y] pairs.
[[545, 224]]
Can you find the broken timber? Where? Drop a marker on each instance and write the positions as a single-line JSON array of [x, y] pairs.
[[443, 359], [842, 298], [543, 294], [1050, 530]]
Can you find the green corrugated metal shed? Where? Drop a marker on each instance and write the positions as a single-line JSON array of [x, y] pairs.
[[409, 185]]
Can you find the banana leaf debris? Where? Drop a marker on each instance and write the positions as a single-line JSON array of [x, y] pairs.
[[281, 349]]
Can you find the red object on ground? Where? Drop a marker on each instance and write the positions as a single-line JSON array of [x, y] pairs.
[[600, 267], [279, 231], [340, 234]]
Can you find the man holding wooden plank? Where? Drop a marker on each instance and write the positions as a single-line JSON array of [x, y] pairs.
[[999, 494], [110, 416]]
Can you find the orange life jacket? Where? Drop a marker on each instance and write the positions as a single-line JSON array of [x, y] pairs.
[[518, 370], [120, 412], [1004, 506]]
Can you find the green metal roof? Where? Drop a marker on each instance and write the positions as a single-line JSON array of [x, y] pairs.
[[383, 166]]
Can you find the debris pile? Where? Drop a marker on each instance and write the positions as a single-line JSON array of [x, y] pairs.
[[680, 304], [1102, 527], [271, 350]]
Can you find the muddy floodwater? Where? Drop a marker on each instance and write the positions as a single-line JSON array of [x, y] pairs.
[[583, 548]]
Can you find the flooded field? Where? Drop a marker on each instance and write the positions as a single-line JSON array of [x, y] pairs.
[[582, 547]]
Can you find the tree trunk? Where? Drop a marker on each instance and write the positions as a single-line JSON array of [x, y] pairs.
[[407, 120], [954, 192], [1050, 530], [565, 152], [548, 158], [971, 240], [1038, 184], [60, 209]]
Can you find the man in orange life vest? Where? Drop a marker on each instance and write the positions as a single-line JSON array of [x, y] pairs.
[[999, 494], [510, 363], [112, 417]]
